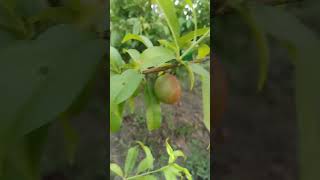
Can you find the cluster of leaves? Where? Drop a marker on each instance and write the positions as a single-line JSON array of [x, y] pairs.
[[144, 170], [127, 19], [127, 77], [47, 57]]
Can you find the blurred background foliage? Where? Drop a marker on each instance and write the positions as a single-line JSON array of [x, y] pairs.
[[126, 17]]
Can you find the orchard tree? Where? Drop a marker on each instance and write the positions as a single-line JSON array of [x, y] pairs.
[[152, 71]]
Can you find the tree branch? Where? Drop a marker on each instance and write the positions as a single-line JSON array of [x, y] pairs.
[[170, 66]]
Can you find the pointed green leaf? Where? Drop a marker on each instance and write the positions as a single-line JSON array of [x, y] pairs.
[[191, 75], [171, 173], [167, 7], [146, 41], [168, 44], [184, 170], [169, 148], [116, 169], [205, 84], [116, 61], [115, 86], [130, 160], [126, 85], [116, 111], [262, 44], [187, 38], [198, 69], [170, 152], [153, 108], [178, 153], [156, 56], [134, 54], [147, 162], [304, 49], [203, 51]]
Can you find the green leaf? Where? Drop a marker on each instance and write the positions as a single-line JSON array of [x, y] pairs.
[[116, 111], [49, 79], [206, 100], [191, 75], [171, 173], [178, 153], [187, 38], [116, 61], [147, 162], [170, 152], [276, 22], [262, 44], [134, 54], [146, 41], [153, 108], [167, 7], [115, 85], [174, 156], [130, 160], [155, 56], [127, 84], [203, 51], [115, 38], [198, 69], [305, 52], [116, 169], [205, 83], [168, 44], [184, 170], [169, 148]]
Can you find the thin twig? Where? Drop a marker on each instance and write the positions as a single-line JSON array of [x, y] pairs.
[[171, 66]]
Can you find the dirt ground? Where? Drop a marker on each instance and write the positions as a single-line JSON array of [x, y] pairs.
[[182, 123]]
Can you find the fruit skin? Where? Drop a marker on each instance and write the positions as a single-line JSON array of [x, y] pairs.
[[167, 88]]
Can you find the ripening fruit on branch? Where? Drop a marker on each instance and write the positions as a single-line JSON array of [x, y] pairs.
[[167, 88]]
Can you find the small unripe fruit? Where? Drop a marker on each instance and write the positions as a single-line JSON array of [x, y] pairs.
[[167, 89]]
